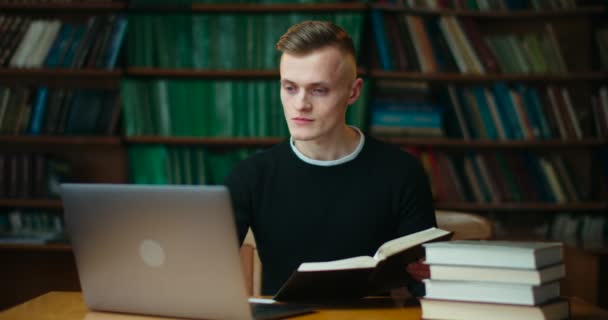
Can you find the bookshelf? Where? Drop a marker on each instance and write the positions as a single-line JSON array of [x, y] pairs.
[[106, 158]]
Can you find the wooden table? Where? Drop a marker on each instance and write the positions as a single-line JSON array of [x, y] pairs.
[[70, 306]]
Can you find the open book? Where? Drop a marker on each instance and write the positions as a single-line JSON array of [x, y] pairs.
[[359, 276]]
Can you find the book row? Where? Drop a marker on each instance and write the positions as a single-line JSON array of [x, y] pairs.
[[28, 42], [225, 42], [31, 226], [485, 5], [450, 44], [157, 164], [494, 112], [587, 231], [406, 109], [501, 112], [31, 175], [206, 108], [501, 177], [44, 111]]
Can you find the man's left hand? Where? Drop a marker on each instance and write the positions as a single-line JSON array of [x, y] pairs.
[[419, 270]]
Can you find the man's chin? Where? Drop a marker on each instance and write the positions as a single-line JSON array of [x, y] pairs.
[[302, 134], [298, 136]]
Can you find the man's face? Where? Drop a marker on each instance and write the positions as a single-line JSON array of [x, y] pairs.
[[316, 90]]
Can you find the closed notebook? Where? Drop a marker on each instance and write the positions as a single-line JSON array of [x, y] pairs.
[[358, 276], [494, 292], [503, 254], [461, 310], [493, 274]]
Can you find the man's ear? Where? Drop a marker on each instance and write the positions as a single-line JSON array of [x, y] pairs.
[[355, 91]]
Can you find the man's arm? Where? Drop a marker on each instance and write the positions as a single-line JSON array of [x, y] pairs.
[[417, 213]]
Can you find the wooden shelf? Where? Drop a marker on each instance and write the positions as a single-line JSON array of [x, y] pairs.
[[492, 144], [458, 77], [61, 77], [190, 73], [524, 206], [60, 72], [61, 247], [202, 73], [94, 6], [513, 14], [210, 141], [32, 203], [73, 141], [428, 142], [251, 7]]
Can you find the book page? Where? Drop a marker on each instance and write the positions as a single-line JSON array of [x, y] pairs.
[[400, 244], [360, 262]]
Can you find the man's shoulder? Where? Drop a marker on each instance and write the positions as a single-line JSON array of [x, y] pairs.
[[266, 157], [389, 153]]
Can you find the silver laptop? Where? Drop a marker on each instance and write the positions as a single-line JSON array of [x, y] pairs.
[[160, 250]]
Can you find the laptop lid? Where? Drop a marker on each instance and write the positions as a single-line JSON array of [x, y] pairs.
[[158, 250]]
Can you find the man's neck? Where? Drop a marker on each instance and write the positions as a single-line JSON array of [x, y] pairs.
[[343, 143]]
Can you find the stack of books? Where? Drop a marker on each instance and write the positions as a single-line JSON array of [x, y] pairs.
[[494, 280]]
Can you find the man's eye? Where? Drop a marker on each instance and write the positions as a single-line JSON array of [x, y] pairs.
[[319, 91], [289, 88]]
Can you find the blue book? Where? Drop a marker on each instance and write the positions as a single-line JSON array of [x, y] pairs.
[[84, 113], [59, 46], [72, 46], [405, 106], [38, 111], [543, 183], [506, 109], [534, 105], [484, 111], [517, 4], [483, 187], [406, 119], [466, 111], [381, 42], [118, 33], [441, 50]]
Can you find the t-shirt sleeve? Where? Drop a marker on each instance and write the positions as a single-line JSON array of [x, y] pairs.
[[239, 182], [416, 206]]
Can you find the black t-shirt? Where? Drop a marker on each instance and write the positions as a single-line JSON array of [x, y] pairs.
[[300, 212]]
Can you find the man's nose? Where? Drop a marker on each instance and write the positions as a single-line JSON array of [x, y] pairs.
[[303, 102]]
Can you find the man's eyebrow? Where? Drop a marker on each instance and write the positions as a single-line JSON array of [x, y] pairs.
[[314, 84]]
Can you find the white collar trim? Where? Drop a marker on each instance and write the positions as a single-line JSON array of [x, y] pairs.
[[328, 163]]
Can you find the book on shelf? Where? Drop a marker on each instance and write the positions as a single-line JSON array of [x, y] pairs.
[[41, 42], [357, 277], [169, 41], [30, 226], [557, 309], [504, 254], [501, 177], [516, 112], [44, 111], [460, 44], [489, 5], [31, 175]]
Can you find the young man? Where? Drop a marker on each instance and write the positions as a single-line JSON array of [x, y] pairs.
[[329, 192]]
